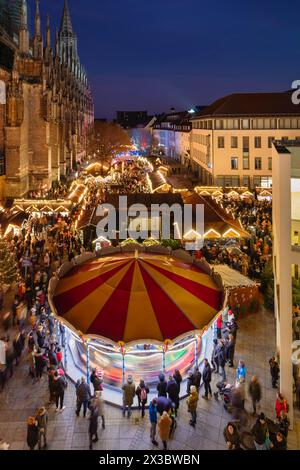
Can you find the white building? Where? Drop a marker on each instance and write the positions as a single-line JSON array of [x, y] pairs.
[[286, 251], [231, 143]]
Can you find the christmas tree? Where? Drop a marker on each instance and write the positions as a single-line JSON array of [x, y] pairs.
[[8, 264]]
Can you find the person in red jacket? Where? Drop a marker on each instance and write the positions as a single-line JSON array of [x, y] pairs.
[[280, 405]]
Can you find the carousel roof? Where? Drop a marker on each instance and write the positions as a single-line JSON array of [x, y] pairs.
[[130, 298]]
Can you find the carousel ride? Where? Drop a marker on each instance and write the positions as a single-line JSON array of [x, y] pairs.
[[134, 313]]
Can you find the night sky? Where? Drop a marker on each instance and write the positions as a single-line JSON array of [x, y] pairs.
[[158, 54]]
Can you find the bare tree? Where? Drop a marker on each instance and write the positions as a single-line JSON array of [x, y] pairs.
[[108, 140]]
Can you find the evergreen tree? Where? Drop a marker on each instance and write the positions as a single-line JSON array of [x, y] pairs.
[[8, 264]]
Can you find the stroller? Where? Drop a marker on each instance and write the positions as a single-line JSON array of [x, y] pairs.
[[225, 392]]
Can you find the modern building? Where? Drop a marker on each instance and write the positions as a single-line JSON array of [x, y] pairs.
[[231, 141], [286, 252], [46, 107], [132, 119]]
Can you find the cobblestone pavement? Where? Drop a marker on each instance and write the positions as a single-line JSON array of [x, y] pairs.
[[21, 398]]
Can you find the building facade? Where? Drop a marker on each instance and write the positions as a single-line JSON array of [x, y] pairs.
[[171, 135], [46, 106], [231, 140]]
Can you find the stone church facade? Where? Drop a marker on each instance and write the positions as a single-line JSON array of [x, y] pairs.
[[46, 106]]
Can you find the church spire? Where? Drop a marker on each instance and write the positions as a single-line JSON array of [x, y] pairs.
[[48, 49], [24, 32], [66, 22], [38, 39]]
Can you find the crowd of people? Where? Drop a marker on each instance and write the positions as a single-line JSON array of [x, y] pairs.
[[248, 256]]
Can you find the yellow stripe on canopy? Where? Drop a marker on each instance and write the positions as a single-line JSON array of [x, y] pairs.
[[141, 320], [79, 278], [86, 311], [197, 311], [200, 278]]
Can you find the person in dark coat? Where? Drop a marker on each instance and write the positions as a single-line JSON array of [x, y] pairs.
[[284, 424], [40, 364], [18, 345], [52, 356], [162, 386], [197, 378], [229, 350], [96, 381], [59, 385], [163, 404], [213, 355], [177, 376], [83, 396], [142, 394], [232, 327], [32, 432], [254, 391], [279, 442], [274, 371], [190, 382], [206, 377], [220, 358], [173, 392], [232, 436], [93, 426]]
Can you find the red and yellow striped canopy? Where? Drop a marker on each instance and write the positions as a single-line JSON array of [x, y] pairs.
[[129, 298]]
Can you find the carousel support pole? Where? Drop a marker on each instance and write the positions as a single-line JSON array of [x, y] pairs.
[[163, 361], [123, 367], [65, 358], [196, 352], [88, 364]]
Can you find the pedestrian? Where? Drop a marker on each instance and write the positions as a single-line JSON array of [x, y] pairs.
[[241, 371], [163, 404], [206, 376], [232, 437], [128, 396], [93, 426], [18, 345], [96, 381], [254, 391], [214, 356], [162, 386], [173, 392], [190, 382], [279, 443], [221, 358], [260, 433], [192, 402], [83, 394], [98, 402], [197, 378], [219, 327], [274, 371], [153, 421], [42, 421], [142, 394], [59, 385], [32, 432], [178, 377], [164, 426], [284, 424], [280, 405], [40, 363], [229, 350]]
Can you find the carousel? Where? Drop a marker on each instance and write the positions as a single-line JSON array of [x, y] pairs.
[[134, 313]]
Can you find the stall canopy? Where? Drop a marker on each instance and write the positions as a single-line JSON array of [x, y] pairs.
[[137, 297]]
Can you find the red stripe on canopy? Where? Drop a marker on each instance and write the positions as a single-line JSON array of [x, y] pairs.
[[67, 300], [111, 319], [171, 319], [204, 293]]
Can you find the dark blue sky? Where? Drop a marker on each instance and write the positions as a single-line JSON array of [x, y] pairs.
[[155, 54]]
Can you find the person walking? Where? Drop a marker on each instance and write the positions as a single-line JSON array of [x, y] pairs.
[[93, 426], [260, 433], [128, 396], [190, 382], [59, 385], [254, 391], [280, 405], [42, 421], [274, 371], [178, 378], [96, 381], [206, 377], [197, 378], [40, 364], [241, 371], [232, 437], [83, 394], [164, 426], [142, 394], [221, 358], [153, 421], [173, 392], [162, 386], [32, 433], [229, 350], [192, 402], [98, 402]]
